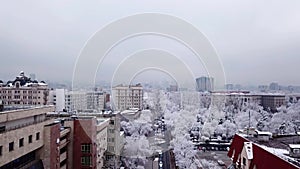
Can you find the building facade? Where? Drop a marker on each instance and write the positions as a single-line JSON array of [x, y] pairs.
[[40, 138], [115, 141], [269, 102], [125, 97], [101, 136], [72, 101], [96, 100], [24, 92], [273, 101], [205, 84], [22, 136]]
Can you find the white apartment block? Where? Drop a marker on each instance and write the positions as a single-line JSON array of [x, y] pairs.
[[101, 142], [115, 140], [126, 97], [96, 100], [77, 100], [24, 92]]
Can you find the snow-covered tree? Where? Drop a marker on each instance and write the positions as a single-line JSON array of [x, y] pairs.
[[285, 120], [136, 149]]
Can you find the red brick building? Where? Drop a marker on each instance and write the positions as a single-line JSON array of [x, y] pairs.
[[85, 138]]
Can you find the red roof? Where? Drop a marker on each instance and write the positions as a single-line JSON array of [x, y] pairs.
[[262, 159]]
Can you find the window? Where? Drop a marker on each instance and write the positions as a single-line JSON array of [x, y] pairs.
[[2, 129], [11, 146], [111, 130], [21, 142], [1, 150], [85, 148], [111, 139], [112, 122], [30, 139], [86, 161], [37, 136], [108, 157], [244, 161]]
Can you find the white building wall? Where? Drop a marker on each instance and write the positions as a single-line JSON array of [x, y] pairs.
[[60, 100]]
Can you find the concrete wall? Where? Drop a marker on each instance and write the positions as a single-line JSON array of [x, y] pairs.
[[15, 135]]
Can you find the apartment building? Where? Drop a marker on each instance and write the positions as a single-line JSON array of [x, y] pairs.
[[57, 150], [205, 84], [125, 97], [41, 138], [96, 100], [102, 125], [23, 91], [90, 134], [71, 101], [115, 139]]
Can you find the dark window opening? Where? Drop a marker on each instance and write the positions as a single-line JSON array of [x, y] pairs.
[[21, 142], [37, 136], [11, 146], [30, 139]]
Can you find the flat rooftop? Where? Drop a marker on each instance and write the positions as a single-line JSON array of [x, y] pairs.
[[281, 142], [13, 109]]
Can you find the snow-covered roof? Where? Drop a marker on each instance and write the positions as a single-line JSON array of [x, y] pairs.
[[130, 111], [294, 146], [263, 133], [249, 150], [42, 84]]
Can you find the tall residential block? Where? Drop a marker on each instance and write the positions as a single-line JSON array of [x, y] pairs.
[[126, 97], [205, 84]]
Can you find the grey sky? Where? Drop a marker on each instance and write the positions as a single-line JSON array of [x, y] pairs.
[[257, 41]]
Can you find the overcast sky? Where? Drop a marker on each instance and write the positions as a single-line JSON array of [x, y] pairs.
[[258, 41]]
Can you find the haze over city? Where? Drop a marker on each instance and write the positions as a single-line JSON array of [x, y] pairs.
[[150, 84], [257, 42]]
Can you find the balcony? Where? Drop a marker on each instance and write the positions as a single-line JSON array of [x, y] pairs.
[[63, 143], [65, 132], [64, 166], [62, 157]]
